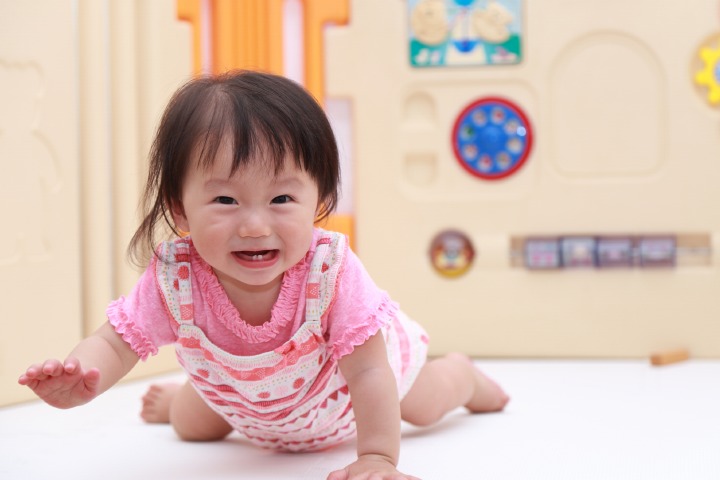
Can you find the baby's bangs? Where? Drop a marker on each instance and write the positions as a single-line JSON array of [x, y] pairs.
[[261, 131], [256, 133], [214, 121]]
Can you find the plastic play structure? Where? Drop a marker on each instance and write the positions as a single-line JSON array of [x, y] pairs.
[[531, 179]]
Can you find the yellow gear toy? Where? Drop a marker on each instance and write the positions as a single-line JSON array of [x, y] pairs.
[[709, 76]]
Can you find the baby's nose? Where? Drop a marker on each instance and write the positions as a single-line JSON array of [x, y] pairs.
[[253, 224]]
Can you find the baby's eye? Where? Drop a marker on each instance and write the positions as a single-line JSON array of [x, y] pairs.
[[282, 199], [225, 200]]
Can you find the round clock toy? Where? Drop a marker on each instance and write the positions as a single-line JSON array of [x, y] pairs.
[[492, 138]]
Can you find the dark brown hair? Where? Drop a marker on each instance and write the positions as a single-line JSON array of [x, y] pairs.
[[263, 115]]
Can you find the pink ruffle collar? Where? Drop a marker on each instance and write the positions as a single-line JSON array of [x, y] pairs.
[[282, 313]]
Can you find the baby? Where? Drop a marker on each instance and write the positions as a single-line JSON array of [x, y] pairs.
[[282, 332]]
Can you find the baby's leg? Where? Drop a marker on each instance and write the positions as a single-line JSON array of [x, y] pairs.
[[181, 406], [446, 383]]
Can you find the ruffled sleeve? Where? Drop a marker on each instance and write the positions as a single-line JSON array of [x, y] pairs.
[[360, 309], [141, 318]]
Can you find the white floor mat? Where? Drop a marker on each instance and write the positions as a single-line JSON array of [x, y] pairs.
[[575, 420]]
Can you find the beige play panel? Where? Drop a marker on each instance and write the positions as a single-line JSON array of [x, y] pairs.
[[592, 222], [82, 85], [41, 307]]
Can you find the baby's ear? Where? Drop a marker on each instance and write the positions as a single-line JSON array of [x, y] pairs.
[[179, 219]]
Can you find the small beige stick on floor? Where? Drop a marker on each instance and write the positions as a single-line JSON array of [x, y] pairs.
[[666, 357]]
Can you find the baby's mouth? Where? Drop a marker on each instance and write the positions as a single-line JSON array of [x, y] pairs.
[[256, 256]]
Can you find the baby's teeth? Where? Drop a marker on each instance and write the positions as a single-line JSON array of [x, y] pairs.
[[257, 257]]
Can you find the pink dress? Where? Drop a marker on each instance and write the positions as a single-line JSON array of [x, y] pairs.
[[279, 383]]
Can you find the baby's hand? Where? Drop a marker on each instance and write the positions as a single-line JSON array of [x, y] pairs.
[[62, 385], [370, 467]]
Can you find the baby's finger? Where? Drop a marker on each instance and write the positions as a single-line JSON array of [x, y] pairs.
[[92, 379], [53, 368], [338, 475], [32, 372], [71, 365], [26, 380]]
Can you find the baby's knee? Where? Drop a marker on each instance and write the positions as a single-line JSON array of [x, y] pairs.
[[193, 420], [460, 359], [189, 430], [422, 417]]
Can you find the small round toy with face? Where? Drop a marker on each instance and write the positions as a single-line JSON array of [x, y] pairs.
[[451, 253]]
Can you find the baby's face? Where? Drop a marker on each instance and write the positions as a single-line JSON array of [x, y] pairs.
[[251, 226]]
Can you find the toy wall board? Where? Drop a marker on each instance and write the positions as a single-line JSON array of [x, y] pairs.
[[146, 57], [538, 178], [82, 85], [39, 266]]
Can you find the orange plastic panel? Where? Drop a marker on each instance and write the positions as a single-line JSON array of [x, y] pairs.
[[247, 34], [224, 27], [316, 14], [267, 43], [340, 223]]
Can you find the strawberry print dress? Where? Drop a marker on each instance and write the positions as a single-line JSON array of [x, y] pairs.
[[281, 386]]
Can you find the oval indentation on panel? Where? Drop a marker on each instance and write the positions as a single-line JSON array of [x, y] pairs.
[[420, 169], [419, 112], [608, 112]]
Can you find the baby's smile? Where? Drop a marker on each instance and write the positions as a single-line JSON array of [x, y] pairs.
[[257, 258]]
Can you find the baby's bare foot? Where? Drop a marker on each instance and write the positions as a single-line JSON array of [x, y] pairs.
[[156, 402], [489, 396]]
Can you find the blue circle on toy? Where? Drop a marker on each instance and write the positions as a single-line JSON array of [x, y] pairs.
[[717, 71], [465, 45], [464, 3], [492, 138]]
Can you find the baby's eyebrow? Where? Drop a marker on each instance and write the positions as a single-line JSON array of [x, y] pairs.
[[287, 180], [215, 183]]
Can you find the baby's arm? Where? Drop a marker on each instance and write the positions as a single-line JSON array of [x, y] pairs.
[[94, 365], [377, 413]]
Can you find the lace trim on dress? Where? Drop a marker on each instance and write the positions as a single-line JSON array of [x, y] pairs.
[[129, 332], [282, 311], [358, 334]]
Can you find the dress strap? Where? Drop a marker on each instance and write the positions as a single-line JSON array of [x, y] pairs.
[[324, 272], [173, 276]]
